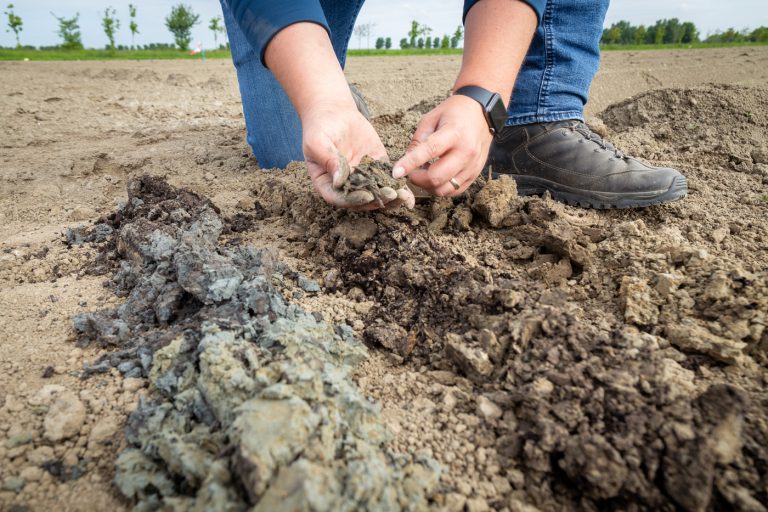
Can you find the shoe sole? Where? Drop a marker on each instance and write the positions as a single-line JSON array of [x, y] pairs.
[[532, 185]]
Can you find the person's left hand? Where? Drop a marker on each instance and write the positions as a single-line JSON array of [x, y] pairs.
[[456, 134]]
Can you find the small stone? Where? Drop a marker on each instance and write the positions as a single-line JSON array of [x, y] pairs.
[[636, 301], [308, 285], [40, 455], [454, 502], [13, 484], [501, 485], [477, 505], [209, 176], [719, 234], [131, 385], [102, 432], [31, 474], [246, 203], [487, 409], [18, 440], [691, 337], [472, 360], [65, 417]]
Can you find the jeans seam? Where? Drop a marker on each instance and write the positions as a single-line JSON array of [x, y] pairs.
[[350, 29], [548, 56], [548, 117]]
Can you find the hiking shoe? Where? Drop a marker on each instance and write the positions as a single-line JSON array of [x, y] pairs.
[[578, 167]]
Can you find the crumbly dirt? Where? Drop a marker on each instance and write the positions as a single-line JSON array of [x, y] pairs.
[[545, 356]]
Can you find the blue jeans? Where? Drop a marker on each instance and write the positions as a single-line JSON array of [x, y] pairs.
[[553, 83]]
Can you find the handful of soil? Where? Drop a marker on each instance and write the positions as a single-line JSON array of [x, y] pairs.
[[370, 181]]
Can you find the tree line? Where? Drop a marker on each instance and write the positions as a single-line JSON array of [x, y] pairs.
[[179, 22], [419, 37], [674, 31]]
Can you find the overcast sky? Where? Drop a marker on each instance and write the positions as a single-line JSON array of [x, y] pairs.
[[392, 17]]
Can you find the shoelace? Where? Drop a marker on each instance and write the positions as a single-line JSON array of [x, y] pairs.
[[588, 134]]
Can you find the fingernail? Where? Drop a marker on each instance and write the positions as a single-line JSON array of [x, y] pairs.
[[398, 172]]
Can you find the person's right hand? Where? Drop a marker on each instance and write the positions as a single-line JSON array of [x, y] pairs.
[[335, 135]]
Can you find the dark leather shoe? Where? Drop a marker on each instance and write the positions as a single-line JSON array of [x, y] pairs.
[[579, 168]]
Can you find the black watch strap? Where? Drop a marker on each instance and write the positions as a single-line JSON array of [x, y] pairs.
[[493, 105]]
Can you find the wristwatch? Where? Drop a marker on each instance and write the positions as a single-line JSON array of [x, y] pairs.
[[493, 106]]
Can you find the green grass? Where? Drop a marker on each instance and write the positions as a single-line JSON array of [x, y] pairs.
[[634, 47], [89, 54], [21, 54]]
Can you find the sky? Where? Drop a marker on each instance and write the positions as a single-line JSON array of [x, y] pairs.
[[391, 17]]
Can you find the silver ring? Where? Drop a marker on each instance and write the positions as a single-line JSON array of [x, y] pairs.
[[456, 185]]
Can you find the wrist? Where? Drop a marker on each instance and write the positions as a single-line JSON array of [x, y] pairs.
[[336, 104]]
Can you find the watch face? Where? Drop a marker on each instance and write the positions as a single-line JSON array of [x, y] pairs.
[[498, 113]]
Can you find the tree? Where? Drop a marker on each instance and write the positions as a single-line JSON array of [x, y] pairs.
[[216, 27], [690, 33], [379, 43], [69, 31], [413, 33], [14, 24], [445, 42], [436, 42], [180, 23], [361, 31], [420, 43], [404, 44], [133, 26], [388, 43], [673, 31], [110, 24], [457, 37], [428, 43], [640, 34], [759, 35]]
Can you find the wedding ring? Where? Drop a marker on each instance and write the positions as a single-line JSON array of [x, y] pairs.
[[455, 183]]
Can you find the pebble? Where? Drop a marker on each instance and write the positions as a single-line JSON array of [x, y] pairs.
[[31, 474], [477, 505], [131, 385], [719, 234], [65, 417], [454, 502], [18, 440], [308, 285], [487, 409], [40, 455], [13, 483]]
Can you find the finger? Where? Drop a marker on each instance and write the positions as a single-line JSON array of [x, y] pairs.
[[359, 197], [387, 194], [464, 179], [426, 127], [440, 172], [406, 196], [433, 147]]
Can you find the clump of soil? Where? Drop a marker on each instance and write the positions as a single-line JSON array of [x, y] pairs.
[[252, 403], [612, 360], [371, 181]]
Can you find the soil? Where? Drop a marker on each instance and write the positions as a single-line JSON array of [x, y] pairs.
[[545, 357]]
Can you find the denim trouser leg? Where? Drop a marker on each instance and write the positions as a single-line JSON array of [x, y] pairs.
[[564, 56], [274, 129]]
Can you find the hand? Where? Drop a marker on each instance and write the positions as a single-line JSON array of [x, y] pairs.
[[457, 135], [335, 134]]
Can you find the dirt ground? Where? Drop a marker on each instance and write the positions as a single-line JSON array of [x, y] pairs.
[[547, 357]]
